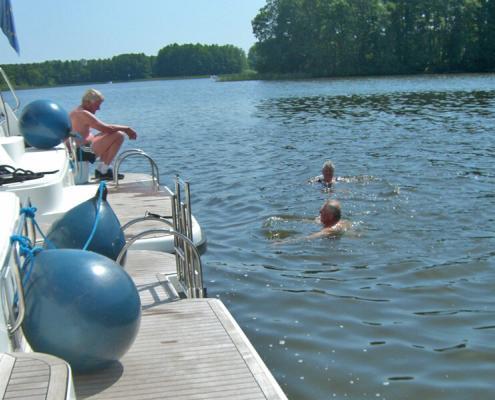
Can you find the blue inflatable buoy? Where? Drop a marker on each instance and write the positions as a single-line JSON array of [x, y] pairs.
[[44, 124], [75, 227], [81, 307]]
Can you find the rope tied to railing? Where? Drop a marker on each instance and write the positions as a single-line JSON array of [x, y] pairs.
[[29, 252], [25, 244], [30, 212], [27, 248]]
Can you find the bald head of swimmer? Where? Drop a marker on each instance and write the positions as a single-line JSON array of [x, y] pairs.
[[330, 213]]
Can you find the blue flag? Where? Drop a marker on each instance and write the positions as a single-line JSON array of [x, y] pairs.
[[7, 23]]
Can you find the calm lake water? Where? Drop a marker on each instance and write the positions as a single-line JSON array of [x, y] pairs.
[[400, 307]]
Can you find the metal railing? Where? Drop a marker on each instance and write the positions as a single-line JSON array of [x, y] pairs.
[[11, 89], [147, 217], [192, 285], [188, 261], [12, 291], [182, 221], [71, 148], [155, 175], [5, 109]]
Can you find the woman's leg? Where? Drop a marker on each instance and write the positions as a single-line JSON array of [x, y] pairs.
[[106, 146]]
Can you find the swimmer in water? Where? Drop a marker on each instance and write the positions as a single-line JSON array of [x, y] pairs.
[[330, 218], [326, 178]]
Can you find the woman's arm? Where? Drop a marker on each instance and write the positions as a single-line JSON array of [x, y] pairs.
[[101, 126]]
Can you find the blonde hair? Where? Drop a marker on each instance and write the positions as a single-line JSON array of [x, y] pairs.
[[92, 96]]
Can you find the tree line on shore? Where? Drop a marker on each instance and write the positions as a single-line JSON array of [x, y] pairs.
[[311, 38], [368, 37], [172, 61]]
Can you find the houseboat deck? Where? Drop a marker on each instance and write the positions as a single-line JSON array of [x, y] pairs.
[[185, 349]]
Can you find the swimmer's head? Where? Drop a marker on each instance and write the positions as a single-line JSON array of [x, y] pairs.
[[327, 171], [330, 213]]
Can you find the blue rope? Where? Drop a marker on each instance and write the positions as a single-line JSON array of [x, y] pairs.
[[101, 189], [25, 244], [27, 248], [30, 213], [28, 252], [27, 266]]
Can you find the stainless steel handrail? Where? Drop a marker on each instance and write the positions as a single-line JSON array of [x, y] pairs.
[[28, 226], [182, 219], [189, 273], [71, 147], [145, 218], [9, 85], [155, 175], [21, 307], [194, 283]]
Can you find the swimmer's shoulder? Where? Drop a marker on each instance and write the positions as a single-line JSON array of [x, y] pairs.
[[338, 229], [316, 179]]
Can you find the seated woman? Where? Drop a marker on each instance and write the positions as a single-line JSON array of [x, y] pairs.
[[108, 141]]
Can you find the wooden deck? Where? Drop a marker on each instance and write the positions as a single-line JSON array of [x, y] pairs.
[[33, 376], [185, 349], [133, 197]]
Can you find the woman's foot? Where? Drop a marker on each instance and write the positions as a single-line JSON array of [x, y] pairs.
[[108, 176]]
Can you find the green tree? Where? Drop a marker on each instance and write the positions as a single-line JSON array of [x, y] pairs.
[[131, 66], [487, 35], [351, 37], [197, 59]]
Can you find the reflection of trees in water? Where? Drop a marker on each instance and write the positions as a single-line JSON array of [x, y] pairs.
[[364, 106]]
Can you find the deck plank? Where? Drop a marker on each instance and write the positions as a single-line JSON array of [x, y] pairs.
[[33, 376]]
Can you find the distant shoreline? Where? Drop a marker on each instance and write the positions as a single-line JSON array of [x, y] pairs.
[[254, 76], [170, 78]]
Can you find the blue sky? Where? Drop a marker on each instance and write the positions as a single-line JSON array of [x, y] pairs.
[[92, 29]]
